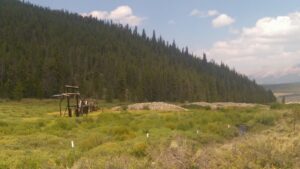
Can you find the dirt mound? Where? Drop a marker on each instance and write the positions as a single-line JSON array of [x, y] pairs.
[[159, 106], [221, 104]]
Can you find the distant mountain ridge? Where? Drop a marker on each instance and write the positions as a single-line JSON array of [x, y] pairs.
[[43, 49], [278, 79], [284, 87]]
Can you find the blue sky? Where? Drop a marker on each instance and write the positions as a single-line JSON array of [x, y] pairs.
[[236, 22]]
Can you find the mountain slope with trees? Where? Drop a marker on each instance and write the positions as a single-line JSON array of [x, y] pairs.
[[43, 49]]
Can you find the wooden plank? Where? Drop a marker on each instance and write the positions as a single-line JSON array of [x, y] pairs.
[[57, 95], [71, 94], [70, 86]]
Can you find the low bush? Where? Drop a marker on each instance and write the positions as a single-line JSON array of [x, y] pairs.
[[194, 106], [65, 124], [265, 119], [171, 125], [139, 149], [29, 163], [121, 133], [3, 124], [276, 106], [185, 125], [91, 141], [146, 107], [124, 107]]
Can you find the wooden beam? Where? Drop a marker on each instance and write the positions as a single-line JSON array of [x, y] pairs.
[[70, 86], [66, 94], [57, 95], [71, 94]]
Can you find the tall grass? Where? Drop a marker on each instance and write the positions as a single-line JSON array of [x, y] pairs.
[[32, 136]]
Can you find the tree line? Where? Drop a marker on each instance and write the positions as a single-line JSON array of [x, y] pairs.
[[43, 49]]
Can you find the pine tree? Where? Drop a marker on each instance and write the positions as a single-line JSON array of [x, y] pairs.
[[204, 58], [144, 36], [17, 93], [153, 37]]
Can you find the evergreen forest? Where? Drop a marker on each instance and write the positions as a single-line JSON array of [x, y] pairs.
[[41, 50]]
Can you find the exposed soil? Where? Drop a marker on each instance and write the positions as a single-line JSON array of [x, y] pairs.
[[159, 106], [221, 104]]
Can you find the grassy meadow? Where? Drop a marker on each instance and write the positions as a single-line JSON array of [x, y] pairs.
[[33, 135]]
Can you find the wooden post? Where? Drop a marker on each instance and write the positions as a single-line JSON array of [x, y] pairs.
[[77, 106], [69, 109], [60, 107]]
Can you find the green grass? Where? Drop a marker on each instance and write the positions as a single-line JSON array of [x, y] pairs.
[[33, 136]]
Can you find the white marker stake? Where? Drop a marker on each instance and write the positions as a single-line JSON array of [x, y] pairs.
[[197, 131], [72, 144], [147, 135]]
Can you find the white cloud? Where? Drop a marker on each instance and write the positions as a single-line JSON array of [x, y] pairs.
[[270, 48], [212, 13], [202, 14], [198, 13], [122, 14], [222, 20]]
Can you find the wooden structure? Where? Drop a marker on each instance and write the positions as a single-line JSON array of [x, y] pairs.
[[71, 92], [78, 106]]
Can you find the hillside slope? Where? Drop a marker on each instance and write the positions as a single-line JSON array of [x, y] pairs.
[[43, 49]]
